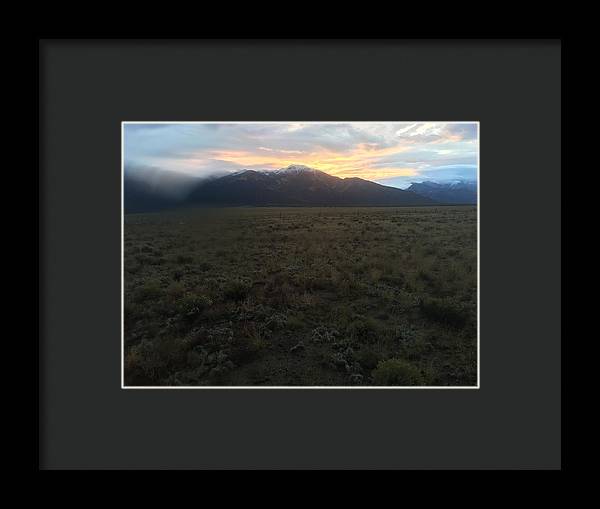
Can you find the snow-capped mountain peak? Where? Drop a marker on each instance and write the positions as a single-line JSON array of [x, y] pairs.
[[295, 168]]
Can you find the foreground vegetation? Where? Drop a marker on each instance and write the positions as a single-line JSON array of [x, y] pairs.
[[301, 296]]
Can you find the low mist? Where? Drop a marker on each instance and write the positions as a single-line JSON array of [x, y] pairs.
[[166, 183]]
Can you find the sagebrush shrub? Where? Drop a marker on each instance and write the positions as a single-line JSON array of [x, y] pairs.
[[193, 305], [364, 329], [236, 290], [184, 259], [151, 360], [149, 291], [397, 372], [368, 359], [444, 311]]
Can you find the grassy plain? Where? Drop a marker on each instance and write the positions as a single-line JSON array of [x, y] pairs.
[[301, 296]]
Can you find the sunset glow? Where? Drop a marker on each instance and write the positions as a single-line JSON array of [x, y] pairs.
[[391, 153]]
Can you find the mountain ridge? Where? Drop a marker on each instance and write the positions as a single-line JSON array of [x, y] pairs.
[[294, 185], [454, 192]]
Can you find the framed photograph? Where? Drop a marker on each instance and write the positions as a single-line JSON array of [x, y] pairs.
[[300, 254]]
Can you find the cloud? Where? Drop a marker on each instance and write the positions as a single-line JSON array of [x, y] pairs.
[[368, 150], [446, 173]]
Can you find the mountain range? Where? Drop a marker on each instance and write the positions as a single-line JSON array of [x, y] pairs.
[[295, 185], [456, 192]]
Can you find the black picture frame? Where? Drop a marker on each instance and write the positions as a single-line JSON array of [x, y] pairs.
[[88, 86]]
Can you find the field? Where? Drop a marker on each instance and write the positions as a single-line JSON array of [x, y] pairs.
[[301, 297]]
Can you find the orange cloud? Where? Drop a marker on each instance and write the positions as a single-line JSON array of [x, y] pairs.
[[359, 162]]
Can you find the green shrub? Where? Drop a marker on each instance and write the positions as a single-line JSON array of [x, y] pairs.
[[251, 342], [348, 286], [276, 321], [175, 290], [280, 295], [184, 259], [368, 359], [364, 330], [323, 334], [236, 290], [257, 342], [444, 311], [151, 360], [148, 291], [397, 280], [424, 275], [397, 372], [204, 266], [193, 305]]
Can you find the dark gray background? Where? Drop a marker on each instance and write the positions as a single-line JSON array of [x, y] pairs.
[[88, 87]]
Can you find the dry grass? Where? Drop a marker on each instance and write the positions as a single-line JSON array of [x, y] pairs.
[[234, 296]]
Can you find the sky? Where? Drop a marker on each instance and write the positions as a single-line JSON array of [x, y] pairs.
[[391, 153]]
